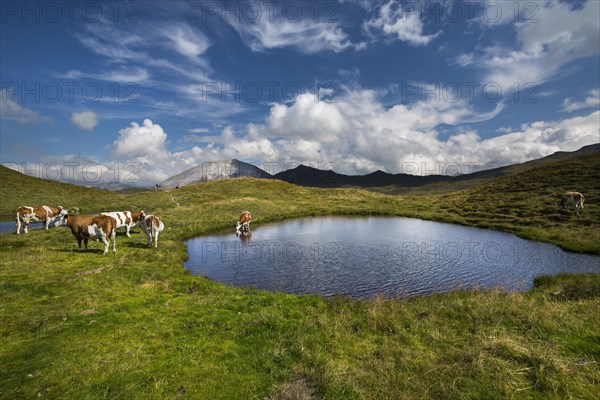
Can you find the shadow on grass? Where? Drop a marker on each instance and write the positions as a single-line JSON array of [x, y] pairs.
[[83, 251], [137, 245]]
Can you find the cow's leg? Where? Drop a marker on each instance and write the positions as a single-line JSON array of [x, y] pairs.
[[85, 243], [105, 241], [79, 243], [148, 239], [47, 223], [18, 226], [127, 231], [114, 240], [577, 209], [25, 227], [156, 239]]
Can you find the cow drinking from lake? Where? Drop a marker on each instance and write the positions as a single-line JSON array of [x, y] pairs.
[[243, 225]]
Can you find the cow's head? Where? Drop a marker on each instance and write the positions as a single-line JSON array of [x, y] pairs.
[[62, 220], [561, 204], [61, 212]]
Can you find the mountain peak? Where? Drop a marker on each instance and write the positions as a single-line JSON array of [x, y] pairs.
[[213, 171]]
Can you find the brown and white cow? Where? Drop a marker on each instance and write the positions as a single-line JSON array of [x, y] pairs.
[[46, 214], [574, 199], [152, 226], [101, 227], [243, 225], [126, 219]]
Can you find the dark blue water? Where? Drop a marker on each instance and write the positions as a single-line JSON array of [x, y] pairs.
[[11, 226], [364, 257]]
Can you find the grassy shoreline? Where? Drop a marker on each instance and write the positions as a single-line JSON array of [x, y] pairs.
[[138, 325]]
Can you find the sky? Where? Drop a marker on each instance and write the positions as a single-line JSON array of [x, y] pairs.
[[135, 92]]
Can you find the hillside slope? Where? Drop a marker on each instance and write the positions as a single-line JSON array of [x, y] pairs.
[[17, 189], [445, 184], [525, 203]]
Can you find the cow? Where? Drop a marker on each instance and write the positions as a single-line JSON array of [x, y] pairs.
[[46, 214], [243, 225], [152, 226], [575, 199], [126, 219], [101, 227]]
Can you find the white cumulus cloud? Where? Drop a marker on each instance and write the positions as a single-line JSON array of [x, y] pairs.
[[137, 140], [86, 120]]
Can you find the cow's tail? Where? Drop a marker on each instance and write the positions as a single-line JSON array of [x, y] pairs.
[[582, 200], [152, 229]]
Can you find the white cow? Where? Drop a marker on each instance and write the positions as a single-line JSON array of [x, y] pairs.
[[574, 199], [152, 226], [126, 219]]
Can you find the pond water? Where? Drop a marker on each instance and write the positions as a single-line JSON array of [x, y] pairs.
[[11, 226], [364, 257]]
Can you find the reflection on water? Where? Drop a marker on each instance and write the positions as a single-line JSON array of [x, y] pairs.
[[363, 257]]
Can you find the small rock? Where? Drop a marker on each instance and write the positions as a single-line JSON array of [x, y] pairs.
[[421, 315], [88, 312]]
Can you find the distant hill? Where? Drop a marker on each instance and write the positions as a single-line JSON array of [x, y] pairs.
[[19, 189], [214, 171], [308, 176], [379, 181]]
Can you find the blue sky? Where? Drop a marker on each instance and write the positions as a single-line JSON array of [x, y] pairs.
[[154, 88]]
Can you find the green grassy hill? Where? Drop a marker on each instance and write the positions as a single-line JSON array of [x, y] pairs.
[[469, 181], [137, 325], [17, 189]]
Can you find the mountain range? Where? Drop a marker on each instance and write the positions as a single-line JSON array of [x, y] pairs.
[[308, 176]]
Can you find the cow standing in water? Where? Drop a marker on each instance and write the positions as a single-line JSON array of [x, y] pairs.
[[152, 226], [46, 214], [574, 199], [126, 219], [101, 228], [243, 225]]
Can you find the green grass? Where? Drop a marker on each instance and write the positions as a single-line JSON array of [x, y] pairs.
[[22, 190], [137, 325]]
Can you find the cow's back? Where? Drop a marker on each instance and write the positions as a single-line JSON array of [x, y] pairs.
[[81, 225], [122, 218], [105, 222]]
